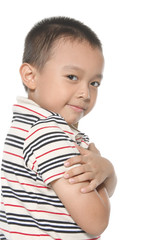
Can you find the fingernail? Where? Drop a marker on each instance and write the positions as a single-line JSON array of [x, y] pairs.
[[83, 190], [71, 180], [66, 164], [66, 175]]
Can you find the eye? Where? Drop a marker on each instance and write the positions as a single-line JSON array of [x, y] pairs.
[[95, 84], [72, 77]]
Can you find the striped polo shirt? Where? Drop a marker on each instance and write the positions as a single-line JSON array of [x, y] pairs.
[[36, 147]]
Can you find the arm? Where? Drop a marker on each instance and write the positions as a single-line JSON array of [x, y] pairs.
[[45, 153], [94, 168], [90, 211], [110, 183]]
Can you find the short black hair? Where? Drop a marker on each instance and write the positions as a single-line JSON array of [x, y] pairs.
[[42, 37]]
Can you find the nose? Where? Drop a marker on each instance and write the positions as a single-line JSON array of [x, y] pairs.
[[84, 92]]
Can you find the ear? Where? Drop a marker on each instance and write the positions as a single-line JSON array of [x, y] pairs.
[[28, 74]]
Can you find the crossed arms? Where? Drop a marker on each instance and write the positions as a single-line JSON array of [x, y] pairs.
[[97, 180]]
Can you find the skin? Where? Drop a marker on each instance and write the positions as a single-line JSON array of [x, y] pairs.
[[68, 84]]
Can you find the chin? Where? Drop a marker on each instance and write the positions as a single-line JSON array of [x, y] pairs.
[[74, 123]]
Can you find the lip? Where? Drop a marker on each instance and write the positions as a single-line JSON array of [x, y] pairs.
[[77, 108]]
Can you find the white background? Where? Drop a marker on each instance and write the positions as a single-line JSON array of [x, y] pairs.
[[125, 122]]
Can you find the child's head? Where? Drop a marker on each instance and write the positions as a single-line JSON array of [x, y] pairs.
[[62, 67]]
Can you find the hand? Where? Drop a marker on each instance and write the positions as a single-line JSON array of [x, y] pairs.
[[93, 168]]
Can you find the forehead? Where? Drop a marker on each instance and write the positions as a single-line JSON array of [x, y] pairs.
[[76, 52]]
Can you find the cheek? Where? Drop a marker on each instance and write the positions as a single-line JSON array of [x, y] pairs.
[[93, 98], [50, 90], [92, 103]]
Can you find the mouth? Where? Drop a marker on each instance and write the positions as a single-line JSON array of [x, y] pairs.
[[77, 108]]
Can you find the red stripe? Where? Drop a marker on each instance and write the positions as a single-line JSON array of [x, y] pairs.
[[26, 184], [54, 176], [26, 234], [56, 149], [16, 105], [47, 127], [36, 235], [82, 141], [69, 132], [41, 129], [13, 154], [34, 164], [20, 129], [31, 210], [78, 139], [85, 143]]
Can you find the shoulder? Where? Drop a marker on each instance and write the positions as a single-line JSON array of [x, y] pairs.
[[52, 123], [53, 118], [46, 135]]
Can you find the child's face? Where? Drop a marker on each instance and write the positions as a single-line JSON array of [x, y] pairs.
[[68, 83]]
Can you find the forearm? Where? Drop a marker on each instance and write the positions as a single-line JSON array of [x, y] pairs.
[[90, 211], [110, 184]]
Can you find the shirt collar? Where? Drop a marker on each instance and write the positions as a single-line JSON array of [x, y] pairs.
[[28, 106]]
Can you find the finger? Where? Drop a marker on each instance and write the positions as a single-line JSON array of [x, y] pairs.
[[93, 148], [76, 171], [90, 187], [72, 161], [82, 151], [82, 178]]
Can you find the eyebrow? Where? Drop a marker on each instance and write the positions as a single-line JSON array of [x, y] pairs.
[[73, 67]]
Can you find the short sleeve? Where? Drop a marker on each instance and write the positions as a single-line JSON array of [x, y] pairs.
[[46, 148]]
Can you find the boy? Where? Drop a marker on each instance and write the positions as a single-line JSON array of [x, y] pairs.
[[61, 71]]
